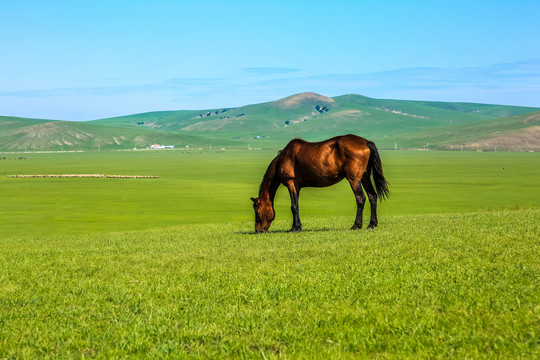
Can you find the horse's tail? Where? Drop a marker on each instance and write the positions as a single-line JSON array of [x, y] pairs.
[[381, 185]]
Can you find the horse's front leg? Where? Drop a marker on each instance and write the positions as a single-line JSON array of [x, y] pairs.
[[294, 192]]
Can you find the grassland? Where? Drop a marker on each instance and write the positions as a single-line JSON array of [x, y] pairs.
[[170, 267], [435, 286], [214, 187]]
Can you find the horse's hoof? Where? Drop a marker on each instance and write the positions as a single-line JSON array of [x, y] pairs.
[[296, 229], [356, 227], [372, 226]]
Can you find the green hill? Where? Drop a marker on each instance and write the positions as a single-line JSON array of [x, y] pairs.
[[410, 124], [48, 135], [515, 133]]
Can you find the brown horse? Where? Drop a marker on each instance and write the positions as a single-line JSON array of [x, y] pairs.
[[304, 164]]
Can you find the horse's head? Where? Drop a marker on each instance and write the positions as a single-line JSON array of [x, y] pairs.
[[264, 214]]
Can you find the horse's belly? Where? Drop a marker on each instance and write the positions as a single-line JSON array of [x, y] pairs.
[[322, 181]]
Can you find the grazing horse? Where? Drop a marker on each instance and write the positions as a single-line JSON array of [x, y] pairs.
[[319, 164]]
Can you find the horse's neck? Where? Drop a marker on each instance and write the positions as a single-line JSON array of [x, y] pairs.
[[270, 183], [268, 193]]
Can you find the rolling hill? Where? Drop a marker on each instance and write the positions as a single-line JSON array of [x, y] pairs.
[[390, 123], [18, 134]]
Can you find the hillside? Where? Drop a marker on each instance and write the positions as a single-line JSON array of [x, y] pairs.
[[515, 133], [45, 135], [311, 116]]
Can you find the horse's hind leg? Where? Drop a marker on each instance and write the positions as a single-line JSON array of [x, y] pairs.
[[360, 200], [372, 196]]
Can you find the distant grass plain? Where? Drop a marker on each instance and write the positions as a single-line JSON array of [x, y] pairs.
[[170, 267], [215, 186]]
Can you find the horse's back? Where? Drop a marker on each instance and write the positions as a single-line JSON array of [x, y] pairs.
[[346, 141], [338, 147], [325, 162]]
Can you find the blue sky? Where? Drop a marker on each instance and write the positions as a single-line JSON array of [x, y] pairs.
[[83, 60]]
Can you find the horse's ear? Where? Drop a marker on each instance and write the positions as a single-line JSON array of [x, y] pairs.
[[254, 200]]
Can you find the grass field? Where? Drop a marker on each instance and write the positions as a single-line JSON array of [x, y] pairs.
[[170, 267], [214, 187]]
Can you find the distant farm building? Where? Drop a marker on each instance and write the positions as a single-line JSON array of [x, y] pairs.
[[156, 146]]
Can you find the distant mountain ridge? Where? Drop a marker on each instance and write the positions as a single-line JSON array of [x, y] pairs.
[[390, 123]]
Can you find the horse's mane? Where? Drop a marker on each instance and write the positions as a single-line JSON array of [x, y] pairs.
[[272, 164]]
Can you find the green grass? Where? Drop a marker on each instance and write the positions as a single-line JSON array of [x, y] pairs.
[[192, 188], [435, 286], [171, 268], [215, 187]]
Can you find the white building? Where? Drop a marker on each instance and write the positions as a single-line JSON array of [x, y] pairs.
[[157, 146]]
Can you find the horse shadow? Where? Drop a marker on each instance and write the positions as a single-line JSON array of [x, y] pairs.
[[284, 231]]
